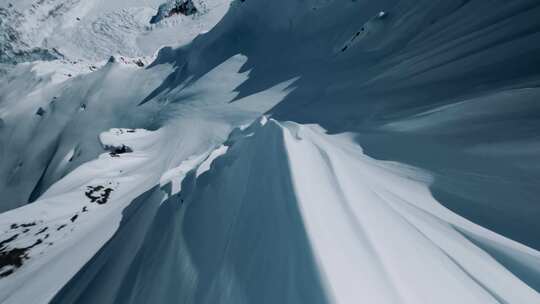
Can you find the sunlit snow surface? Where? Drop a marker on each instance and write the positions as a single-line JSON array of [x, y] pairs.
[[316, 151]]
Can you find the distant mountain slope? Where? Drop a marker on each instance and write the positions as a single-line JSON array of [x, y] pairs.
[[94, 30], [76, 38], [299, 151]]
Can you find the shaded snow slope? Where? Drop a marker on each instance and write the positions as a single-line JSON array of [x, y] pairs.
[[74, 115], [292, 215], [62, 112], [92, 198], [203, 207], [420, 56]]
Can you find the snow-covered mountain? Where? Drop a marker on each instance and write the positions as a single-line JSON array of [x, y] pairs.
[[85, 44], [94, 30], [286, 151]]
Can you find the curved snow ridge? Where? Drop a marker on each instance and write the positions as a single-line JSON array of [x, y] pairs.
[[376, 232]]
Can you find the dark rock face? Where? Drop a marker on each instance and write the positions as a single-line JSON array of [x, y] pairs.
[[13, 258], [116, 151], [98, 194], [40, 112], [175, 7], [185, 8], [139, 63]]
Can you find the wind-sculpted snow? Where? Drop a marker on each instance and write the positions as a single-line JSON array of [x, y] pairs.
[[34, 152], [90, 31], [422, 55], [292, 215], [92, 198], [400, 163]]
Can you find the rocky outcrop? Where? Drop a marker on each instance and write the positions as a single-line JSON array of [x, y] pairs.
[[174, 7]]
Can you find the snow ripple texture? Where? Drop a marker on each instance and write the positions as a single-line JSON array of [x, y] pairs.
[[314, 151]]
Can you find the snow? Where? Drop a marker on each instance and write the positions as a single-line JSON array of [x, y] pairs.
[[91, 31], [128, 175], [207, 163], [372, 227], [176, 175], [312, 151], [394, 237]]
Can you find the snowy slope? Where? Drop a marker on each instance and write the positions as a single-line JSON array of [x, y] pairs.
[[290, 214], [95, 30], [399, 164], [108, 29], [91, 199]]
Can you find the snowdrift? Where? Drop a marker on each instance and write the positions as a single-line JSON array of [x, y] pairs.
[[399, 166], [290, 214]]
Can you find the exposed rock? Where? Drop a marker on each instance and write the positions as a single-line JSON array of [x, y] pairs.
[[40, 112], [98, 194], [174, 7], [13, 258]]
